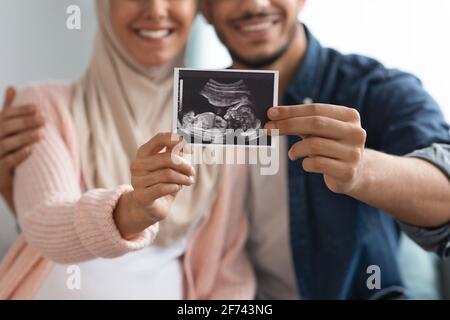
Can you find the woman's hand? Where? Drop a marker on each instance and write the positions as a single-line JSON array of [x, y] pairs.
[[158, 174], [19, 128]]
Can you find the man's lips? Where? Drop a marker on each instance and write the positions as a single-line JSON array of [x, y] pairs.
[[256, 24]]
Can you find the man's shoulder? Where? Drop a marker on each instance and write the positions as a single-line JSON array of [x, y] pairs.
[[359, 67], [361, 79]]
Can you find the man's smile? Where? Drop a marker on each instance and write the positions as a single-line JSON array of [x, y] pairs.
[[259, 27]]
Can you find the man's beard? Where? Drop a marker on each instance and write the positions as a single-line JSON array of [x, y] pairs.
[[266, 61]]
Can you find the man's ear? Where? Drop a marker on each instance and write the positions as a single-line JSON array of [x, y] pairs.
[[205, 9]]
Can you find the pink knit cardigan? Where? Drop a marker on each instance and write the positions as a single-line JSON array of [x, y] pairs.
[[63, 223]]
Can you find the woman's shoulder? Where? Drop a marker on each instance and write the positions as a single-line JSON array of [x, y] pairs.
[[47, 90], [52, 98]]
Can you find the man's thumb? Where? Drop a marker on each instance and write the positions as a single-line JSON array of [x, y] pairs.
[[9, 97]]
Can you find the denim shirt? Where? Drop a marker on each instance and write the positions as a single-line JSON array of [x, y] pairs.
[[335, 239]]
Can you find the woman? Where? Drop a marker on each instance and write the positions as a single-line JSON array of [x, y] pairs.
[[73, 198]]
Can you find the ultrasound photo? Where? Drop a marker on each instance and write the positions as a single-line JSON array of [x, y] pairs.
[[226, 107]]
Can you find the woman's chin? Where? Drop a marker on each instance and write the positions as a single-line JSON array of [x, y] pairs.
[[154, 62], [154, 59]]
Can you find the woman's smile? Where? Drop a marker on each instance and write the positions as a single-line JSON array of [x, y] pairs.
[[155, 35]]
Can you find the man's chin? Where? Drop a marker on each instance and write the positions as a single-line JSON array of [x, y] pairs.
[[255, 62], [265, 61], [260, 61]]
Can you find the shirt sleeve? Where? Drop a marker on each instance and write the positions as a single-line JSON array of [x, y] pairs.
[[56, 217], [404, 120], [401, 116], [435, 239]]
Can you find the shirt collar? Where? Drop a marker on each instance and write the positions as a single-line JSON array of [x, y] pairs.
[[306, 80]]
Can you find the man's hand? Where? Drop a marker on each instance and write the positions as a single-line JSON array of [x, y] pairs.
[[333, 141], [412, 190], [19, 128]]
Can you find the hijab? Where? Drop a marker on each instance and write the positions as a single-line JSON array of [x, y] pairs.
[[118, 106]]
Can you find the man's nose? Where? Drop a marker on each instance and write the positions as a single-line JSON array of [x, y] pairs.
[[156, 9]]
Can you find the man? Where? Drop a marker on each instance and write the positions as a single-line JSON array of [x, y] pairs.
[[363, 141]]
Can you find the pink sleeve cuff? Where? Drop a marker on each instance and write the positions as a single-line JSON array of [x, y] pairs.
[[97, 230]]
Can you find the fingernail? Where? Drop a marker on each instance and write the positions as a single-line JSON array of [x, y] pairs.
[[291, 155], [274, 112], [10, 91], [270, 126]]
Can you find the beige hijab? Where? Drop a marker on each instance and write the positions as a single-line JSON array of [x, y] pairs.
[[118, 106]]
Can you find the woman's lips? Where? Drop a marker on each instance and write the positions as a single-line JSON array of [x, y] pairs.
[[154, 34]]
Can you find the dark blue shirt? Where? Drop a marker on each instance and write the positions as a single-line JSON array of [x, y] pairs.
[[335, 238]]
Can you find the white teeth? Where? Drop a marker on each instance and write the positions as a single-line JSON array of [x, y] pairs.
[[154, 34], [257, 27]]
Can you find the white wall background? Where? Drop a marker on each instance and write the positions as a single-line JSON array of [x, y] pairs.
[[35, 43], [412, 35], [409, 34]]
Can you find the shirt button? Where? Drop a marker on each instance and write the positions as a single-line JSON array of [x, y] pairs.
[[308, 100]]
